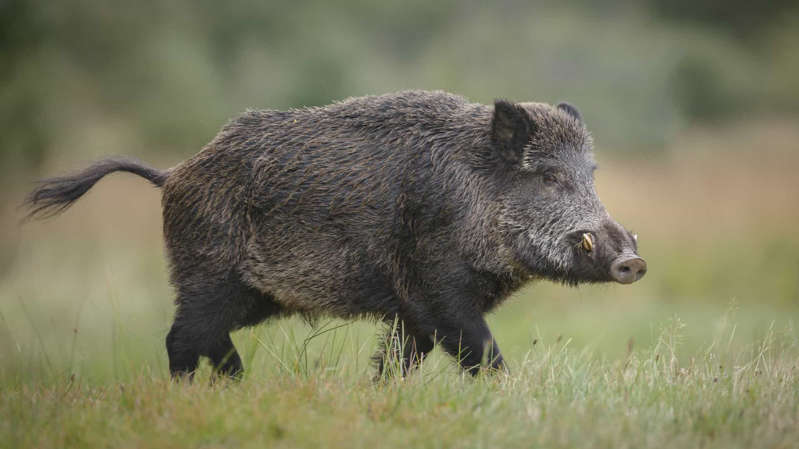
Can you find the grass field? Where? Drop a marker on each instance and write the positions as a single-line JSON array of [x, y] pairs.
[[703, 352]]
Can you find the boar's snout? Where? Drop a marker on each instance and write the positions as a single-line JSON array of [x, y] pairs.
[[627, 269], [609, 253]]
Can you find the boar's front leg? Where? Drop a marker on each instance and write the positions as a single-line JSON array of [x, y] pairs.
[[404, 344], [467, 338], [452, 317]]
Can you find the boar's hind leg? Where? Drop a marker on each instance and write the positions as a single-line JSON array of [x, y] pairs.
[[205, 317], [401, 340], [183, 355], [225, 359], [198, 334]]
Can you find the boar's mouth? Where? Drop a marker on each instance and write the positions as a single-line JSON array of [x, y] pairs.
[[597, 259], [579, 256]]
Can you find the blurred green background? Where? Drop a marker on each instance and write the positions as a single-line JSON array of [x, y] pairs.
[[693, 106]]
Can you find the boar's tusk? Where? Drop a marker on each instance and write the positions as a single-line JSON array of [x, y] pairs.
[[587, 242]]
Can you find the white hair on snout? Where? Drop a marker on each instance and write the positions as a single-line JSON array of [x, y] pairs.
[[552, 248], [545, 241]]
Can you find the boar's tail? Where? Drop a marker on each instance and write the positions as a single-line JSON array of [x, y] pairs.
[[55, 195]]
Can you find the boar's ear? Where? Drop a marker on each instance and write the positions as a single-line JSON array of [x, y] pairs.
[[571, 110], [510, 129]]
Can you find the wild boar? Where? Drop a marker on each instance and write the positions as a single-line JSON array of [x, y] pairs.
[[416, 206]]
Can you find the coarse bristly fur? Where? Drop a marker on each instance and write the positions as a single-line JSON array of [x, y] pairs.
[[416, 206]]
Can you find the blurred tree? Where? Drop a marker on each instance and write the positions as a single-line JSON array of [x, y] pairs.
[[701, 90], [98, 76], [24, 128], [741, 18]]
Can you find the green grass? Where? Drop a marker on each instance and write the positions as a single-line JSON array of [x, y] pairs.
[[603, 366], [556, 395]]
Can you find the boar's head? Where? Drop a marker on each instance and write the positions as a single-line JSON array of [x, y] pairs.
[[552, 220]]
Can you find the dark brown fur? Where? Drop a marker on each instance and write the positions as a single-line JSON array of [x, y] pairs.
[[412, 206]]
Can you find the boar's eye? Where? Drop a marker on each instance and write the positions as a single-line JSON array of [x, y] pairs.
[[551, 178]]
